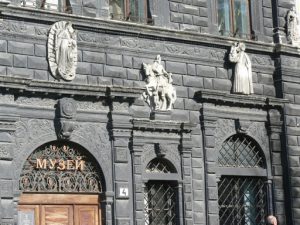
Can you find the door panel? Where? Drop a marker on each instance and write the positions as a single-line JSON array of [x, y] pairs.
[[57, 215], [86, 215], [61, 209], [28, 214]]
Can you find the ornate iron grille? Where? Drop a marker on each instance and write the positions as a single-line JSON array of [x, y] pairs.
[[159, 166], [242, 201], [60, 168], [240, 151], [160, 199]]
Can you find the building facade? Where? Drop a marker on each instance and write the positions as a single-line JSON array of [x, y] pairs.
[[149, 112]]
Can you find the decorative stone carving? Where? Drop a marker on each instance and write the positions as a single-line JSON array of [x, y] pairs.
[[242, 83], [62, 50], [160, 93], [293, 27], [67, 110]]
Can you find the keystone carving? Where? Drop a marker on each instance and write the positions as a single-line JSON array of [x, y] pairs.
[[62, 51], [293, 27], [67, 113], [160, 93], [242, 83]]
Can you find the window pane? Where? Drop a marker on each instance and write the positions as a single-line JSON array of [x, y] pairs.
[[241, 18], [116, 8], [159, 203], [224, 17]]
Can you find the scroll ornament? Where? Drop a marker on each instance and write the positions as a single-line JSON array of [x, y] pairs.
[[242, 83], [160, 93], [62, 51]]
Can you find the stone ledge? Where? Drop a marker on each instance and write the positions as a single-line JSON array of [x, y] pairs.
[[47, 87], [162, 125], [252, 100]]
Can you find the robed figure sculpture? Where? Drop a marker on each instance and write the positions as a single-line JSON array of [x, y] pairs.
[[242, 83], [62, 50]]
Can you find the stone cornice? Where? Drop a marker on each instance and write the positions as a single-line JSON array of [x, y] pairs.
[[247, 100], [63, 88], [128, 29]]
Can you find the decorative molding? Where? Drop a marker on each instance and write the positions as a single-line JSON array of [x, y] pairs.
[[224, 129], [138, 30], [67, 114], [246, 100], [55, 88], [258, 131], [62, 51], [160, 126]]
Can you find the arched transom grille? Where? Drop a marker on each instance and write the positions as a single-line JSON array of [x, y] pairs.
[[240, 151], [158, 165], [58, 167]]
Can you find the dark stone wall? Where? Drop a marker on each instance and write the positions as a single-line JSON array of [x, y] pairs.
[[115, 126]]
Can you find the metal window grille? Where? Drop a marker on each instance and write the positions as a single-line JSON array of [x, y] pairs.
[[159, 166], [242, 201], [52, 179], [240, 151], [159, 203]]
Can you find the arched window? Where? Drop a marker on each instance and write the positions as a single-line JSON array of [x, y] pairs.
[[160, 196], [241, 189], [61, 168]]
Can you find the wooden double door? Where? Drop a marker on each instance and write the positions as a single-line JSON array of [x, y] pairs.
[[61, 209]]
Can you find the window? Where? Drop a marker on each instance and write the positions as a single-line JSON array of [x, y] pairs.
[[242, 188], [160, 196], [234, 18], [131, 10], [51, 5]]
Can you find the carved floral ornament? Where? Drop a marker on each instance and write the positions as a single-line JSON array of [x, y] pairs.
[[242, 83], [62, 50], [160, 93]]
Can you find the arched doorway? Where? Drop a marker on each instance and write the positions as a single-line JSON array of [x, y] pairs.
[[61, 184]]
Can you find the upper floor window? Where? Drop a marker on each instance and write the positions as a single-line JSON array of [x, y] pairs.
[[52, 5], [131, 10], [234, 18]]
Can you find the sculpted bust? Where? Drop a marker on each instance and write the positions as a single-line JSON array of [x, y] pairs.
[[62, 50], [242, 83], [160, 93]]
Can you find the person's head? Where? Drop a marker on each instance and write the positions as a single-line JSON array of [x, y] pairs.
[[271, 220]]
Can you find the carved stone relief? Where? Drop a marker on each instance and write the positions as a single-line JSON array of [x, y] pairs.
[[293, 27], [62, 50], [67, 113], [242, 83], [170, 152], [160, 93], [224, 129]]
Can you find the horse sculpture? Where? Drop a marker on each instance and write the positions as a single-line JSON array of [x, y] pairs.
[[242, 83], [160, 93]]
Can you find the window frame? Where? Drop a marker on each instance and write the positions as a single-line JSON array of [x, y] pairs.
[[233, 22], [128, 5], [239, 172]]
